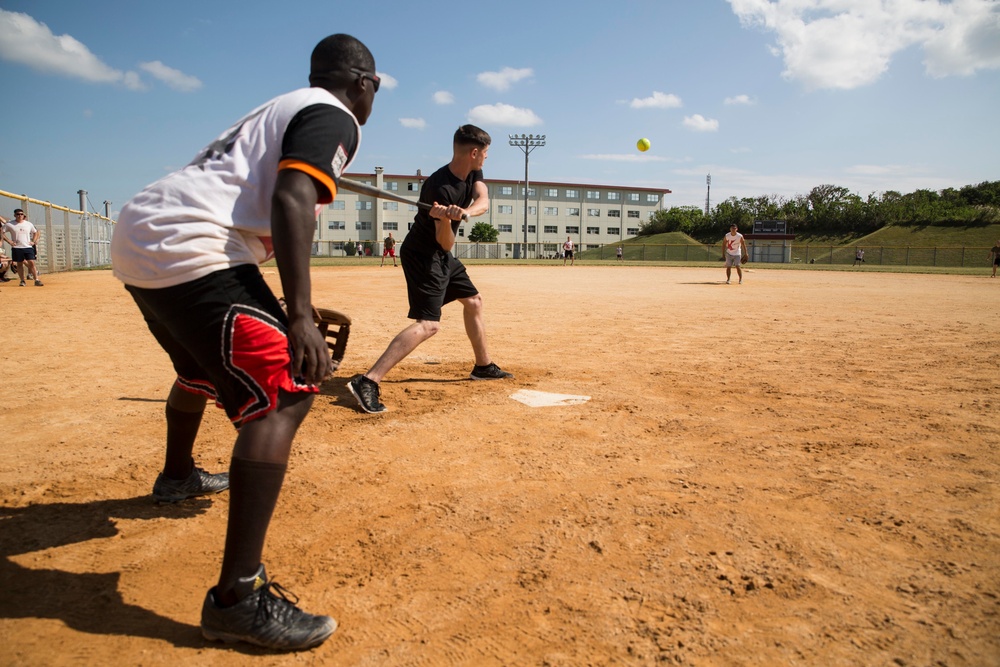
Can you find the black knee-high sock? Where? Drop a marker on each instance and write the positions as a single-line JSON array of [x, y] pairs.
[[182, 429], [254, 487]]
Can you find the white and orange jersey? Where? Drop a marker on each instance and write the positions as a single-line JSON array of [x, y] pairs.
[[215, 213]]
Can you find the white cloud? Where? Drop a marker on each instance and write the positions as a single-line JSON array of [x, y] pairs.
[[25, 41], [503, 114], [699, 123], [738, 99], [503, 79], [413, 123], [658, 100], [176, 79], [443, 97], [844, 44], [387, 81]]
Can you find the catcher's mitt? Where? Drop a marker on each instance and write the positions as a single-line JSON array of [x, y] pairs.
[[335, 327]]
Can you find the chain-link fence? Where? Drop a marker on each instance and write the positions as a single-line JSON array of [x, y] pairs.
[[69, 239]]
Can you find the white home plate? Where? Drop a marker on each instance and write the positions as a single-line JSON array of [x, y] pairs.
[[543, 399]]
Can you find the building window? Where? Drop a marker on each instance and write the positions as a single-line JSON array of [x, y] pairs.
[[413, 187], [337, 245], [336, 224], [506, 190], [572, 230], [614, 196], [390, 206], [363, 225], [390, 226], [614, 231], [505, 208], [461, 232], [550, 247], [593, 230], [615, 213], [572, 194], [551, 210], [594, 212], [531, 192], [505, 228], [632, 231], [633, 196], [551, 192], [337, 205], [411, 207], [591, 246], [409, 226], [594, 194], [550, 229], [390, 185], [652, 198], [573, 211], [532, 210], [531, 229], [633, 214], [362, 206]]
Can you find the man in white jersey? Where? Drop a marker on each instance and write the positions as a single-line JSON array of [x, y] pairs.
[[735, 248], [568, 252], [187, 248], [23, 239]]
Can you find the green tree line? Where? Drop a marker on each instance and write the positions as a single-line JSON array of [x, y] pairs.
[[831, 209]]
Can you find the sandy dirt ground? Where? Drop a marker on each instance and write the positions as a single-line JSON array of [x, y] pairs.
[[799, 470]]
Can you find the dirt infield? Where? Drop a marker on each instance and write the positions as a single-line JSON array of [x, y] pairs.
[[800, 470]]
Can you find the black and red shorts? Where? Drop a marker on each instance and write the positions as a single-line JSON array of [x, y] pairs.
[[227, 338]]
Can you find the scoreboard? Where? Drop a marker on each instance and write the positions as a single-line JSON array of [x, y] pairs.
[[769, 227]]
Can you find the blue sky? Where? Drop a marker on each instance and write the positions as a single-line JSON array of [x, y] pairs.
[[770, 97]]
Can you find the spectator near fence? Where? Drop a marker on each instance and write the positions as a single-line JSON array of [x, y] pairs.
[[23, 239], [995, 254]]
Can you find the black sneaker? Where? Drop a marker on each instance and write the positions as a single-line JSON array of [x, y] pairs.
[[367, 393], [266, 616], [198, 483], [489, 372]]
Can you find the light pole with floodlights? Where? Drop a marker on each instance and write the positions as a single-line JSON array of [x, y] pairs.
[[527, 143]]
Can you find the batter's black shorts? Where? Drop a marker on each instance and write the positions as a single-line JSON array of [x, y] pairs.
[[432, 281]]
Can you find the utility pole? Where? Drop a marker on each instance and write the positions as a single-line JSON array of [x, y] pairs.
[[527, 143]]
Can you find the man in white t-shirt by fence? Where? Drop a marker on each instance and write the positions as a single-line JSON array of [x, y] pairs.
[[735, 252], [568, 252], [23, 239]]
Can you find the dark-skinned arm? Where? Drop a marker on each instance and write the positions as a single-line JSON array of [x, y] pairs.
[[293, 222]]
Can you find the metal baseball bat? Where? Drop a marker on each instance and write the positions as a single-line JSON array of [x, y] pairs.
[[372, 191]]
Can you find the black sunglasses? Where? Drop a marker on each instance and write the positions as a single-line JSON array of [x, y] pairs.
[[367, 75]]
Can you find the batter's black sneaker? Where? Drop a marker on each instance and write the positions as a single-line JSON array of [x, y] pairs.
[[489, 372], [367, 392], [198, 483], [266, 616]]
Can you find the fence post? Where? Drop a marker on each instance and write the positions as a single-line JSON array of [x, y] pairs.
[[963, 256]]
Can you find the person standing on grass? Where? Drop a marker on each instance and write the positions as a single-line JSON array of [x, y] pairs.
[[859, 256], [568, 252], [389, 248], [188, 248], [735, 247], [995, 255], [435, 277]]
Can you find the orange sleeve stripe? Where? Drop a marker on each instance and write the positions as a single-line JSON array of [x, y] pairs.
[[306, 168]]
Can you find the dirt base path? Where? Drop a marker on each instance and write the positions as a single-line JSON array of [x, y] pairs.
[[799, 470]]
